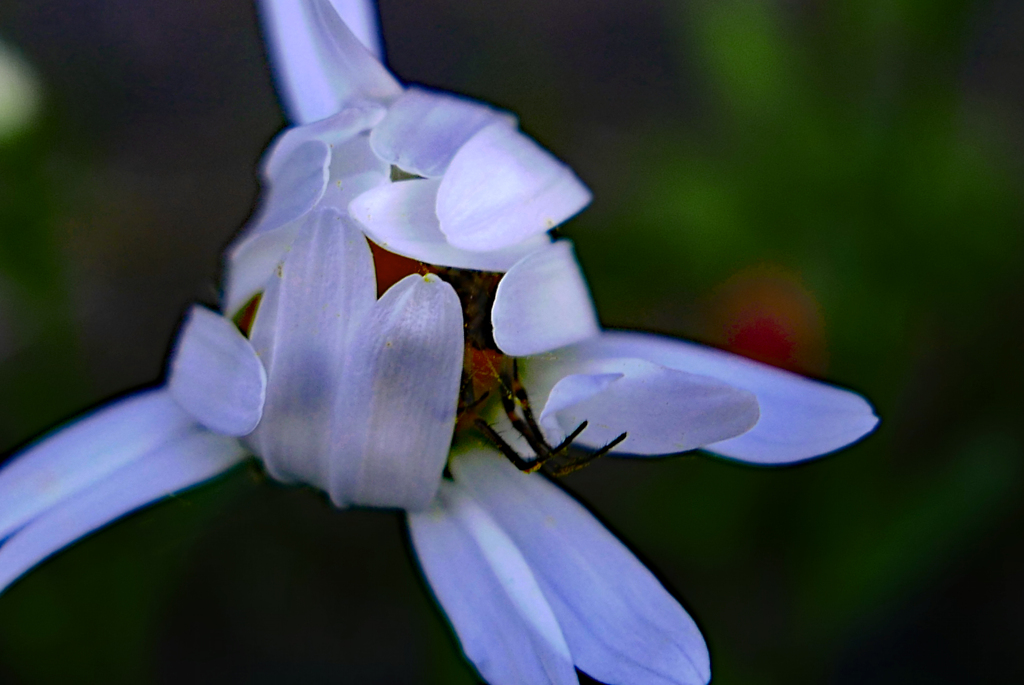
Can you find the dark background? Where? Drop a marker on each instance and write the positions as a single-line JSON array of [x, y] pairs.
[[833, 186]]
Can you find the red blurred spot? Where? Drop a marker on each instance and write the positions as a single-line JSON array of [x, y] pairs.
[[763, 338], [391, 268], [766, 313]]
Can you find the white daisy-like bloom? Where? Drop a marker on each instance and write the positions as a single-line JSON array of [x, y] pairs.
[[443, 397]]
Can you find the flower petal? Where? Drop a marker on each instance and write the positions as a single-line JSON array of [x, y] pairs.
[[351, 169], [800, 418], [664, 411], [303, 330], [502, 188], [182, 463], [320, 66], [400, 217], [83, 452], [424, 129], [335, 130], [215, 374], [542, 303], [295, 183], [361, 18], [621, 625], [397, 412], [504, 623], [251, 264]]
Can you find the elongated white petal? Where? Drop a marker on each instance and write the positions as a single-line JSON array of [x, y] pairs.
[[424, 129], [663, 410], [503, 621], [361, 18], [620, 624], [543, 303], [400, 217], [320, 66], [83, 452], [302, 333], [502, 188], [800, 418], [215, 374], [397, 409], [182, 463]]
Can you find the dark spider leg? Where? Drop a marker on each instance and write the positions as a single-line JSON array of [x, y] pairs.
[[506, 449], [535, 440], [564, 445], [577, 464], [517, 389], [477, 402]]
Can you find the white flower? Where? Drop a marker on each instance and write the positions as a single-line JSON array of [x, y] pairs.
[[482, 195], [362, 397]]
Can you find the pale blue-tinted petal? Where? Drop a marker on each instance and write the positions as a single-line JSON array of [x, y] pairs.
[[319, 65], [361, 18], [800, 418], [294, 184], [83, 452], [663, 410], [252, 263], [621, 625], [397, 408], [570, 391], [542, 303], [354, 170], [424, 129], [323, 292], [504, 624], [333, 131], [349, 169], [215, 374], [400, 218], [183, 462], [502, 188]]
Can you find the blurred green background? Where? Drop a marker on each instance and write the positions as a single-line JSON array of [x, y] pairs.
[[833, 186]]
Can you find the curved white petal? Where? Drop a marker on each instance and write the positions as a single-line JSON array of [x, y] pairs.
[[480, 579], [319, 64], [424, 129], [322, 293], [335, 130], [400, 217], [215, 374], [542, 303], [251, 264], [502, 188], [397, 408], [361, 18], [349, 169], [800, 418], [182, 463], [620, 624], [295, 182], [83, 452], [354, 170], [663, 410]]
